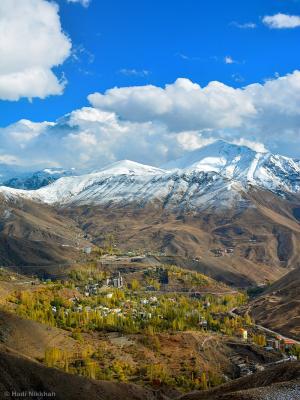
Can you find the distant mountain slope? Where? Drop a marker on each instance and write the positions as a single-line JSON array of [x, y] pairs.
[[34, 234], [8, 171], [35, 180], [239, 246]]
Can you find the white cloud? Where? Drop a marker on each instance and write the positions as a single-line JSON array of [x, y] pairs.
[[88, 138], [8, 159], [281, 21], [24, 131], [84, 3], [31, 44], [245, 25], [267, 113], [237, 77], [81, 54], [256, 146], [192, 140], [183, 105], [229, 60], [152, 125], [188, 57], [134, 72]]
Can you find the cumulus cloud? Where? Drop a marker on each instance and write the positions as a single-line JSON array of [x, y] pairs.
[[183, 105], [88, 138], [84, 3], [281, 21], [32, 44], [153, 125]]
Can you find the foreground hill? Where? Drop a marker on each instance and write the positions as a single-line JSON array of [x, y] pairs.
[[19, 374]]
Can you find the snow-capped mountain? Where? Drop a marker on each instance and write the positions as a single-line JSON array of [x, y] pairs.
[[37, 179], [8, 171], [242, 164], [217, 174]]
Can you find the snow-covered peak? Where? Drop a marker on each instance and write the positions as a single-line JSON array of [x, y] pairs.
[[64, 189], [212, 156], [230, 160], [128, 167]]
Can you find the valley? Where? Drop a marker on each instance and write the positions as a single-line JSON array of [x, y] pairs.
[[158, 282]]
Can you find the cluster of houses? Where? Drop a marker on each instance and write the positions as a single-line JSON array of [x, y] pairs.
[[91, 289], [218, 252], [115, 281], [280, 343], [143, 308], [136, 309], [124, 309], [245, 367]]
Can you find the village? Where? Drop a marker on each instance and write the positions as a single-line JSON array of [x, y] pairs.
[[136, 304], [145, 301], [114, 295]]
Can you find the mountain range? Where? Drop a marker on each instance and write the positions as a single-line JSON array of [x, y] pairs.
[[216, 175], [224, 209]]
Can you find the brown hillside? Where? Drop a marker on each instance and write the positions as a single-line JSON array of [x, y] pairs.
[[34, 234], [262, 238], [278, 308], [31, 338]]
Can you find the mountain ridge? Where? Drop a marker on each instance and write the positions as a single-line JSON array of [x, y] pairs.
[[215, 175]]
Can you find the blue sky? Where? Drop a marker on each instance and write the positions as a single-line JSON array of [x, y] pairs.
[[168, 39], [119, 43]]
